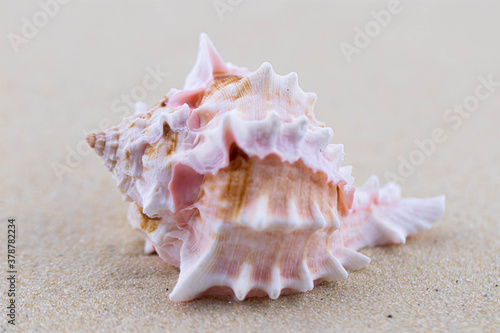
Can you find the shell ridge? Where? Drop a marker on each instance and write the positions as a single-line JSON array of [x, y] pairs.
[[215, 147], [352, 260]]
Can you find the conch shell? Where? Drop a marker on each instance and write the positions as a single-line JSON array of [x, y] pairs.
[[233, 180]]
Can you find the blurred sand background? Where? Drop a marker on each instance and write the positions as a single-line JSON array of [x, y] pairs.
[[81, 268]]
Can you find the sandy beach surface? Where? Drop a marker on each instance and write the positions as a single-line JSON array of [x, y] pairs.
[[81, 268]]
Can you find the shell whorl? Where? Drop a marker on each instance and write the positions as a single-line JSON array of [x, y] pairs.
[[234, 180]]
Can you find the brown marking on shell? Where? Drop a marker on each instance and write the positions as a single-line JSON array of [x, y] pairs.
[[253, 96], [145, 116], [106, 142], [145, 222], [167, 143], [166, 129], [342, 205], [164, 102], [240, 84], [173, 144], [97, 141], [237, 181], [91, 138], [161, 104], [247, 179]]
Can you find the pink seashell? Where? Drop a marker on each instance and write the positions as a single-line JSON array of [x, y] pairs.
[[233, 180]]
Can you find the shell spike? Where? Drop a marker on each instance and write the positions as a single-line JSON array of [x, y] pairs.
[[335, 270], [194, 278], [274, 287], [306, 280], [242, 284], [207, 63], [292, 79], [266, 70], [352, 260]]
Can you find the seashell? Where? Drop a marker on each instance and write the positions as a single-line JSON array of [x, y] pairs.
[[233, 180]]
